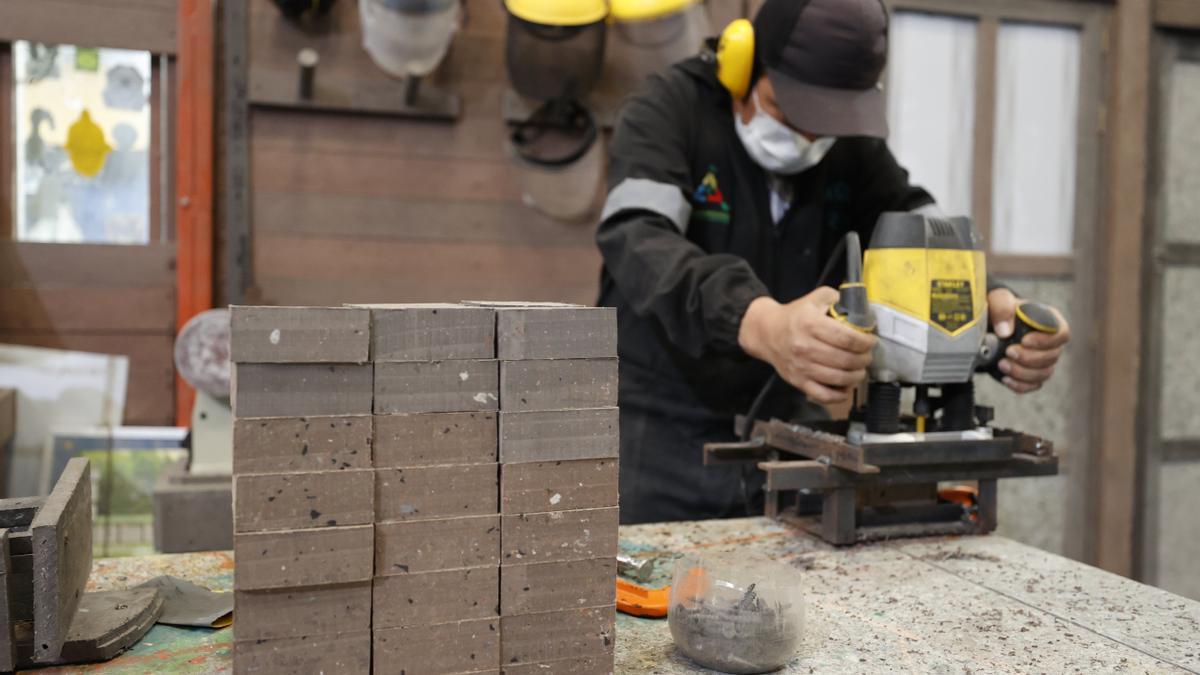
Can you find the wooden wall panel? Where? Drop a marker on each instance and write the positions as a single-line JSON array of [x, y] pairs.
[[97, 298], [351, 208], [127, 24]]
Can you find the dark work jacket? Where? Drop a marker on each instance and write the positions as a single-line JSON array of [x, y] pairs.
[[688, 239]]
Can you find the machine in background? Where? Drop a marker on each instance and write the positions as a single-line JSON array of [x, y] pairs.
[[193, 500], [922, 289]]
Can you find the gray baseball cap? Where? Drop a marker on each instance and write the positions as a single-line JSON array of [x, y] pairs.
[[824, 59]]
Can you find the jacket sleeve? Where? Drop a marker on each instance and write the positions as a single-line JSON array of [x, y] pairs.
[[697, 298]]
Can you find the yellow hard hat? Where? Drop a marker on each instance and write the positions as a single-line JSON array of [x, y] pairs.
[[558, 12], [644, 10]]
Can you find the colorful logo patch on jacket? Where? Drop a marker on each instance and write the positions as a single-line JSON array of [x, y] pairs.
[[710, 201]]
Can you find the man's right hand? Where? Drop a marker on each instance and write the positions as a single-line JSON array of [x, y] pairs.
[[817, 354]]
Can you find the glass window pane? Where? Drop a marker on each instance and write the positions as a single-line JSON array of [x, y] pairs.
[[82, 118], [1037, 105], [931, 103], [1180, 393], [1181, 187]]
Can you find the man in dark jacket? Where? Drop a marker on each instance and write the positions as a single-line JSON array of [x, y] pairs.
[[721, 213]]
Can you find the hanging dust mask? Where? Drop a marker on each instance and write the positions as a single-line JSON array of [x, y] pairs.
[[775, 146], [408, 37]]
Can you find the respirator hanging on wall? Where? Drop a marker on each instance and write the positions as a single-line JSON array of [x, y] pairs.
[[554, 53], [650, 35], [555, 48], [560, 158], [408, 38]]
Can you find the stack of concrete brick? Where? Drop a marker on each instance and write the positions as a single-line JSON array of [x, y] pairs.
[[487, 544], [437, 524], [304, 489], [558, 488]]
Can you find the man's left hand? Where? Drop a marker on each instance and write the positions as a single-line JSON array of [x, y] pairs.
[[1027, 365]]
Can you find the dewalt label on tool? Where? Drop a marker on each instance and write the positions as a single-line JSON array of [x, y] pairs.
[[950, 303]]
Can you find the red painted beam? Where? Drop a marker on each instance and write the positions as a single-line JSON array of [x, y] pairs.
[[193, 174]]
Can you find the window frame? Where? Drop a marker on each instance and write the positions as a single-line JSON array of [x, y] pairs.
[[1090, 19], [159, 223]]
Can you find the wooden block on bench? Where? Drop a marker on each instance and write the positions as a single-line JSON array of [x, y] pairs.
[[553, 636], [558, 384], [299, 334], [431, 332], [302, 389], [283, 444], [423, 598], [581, 665], [556, 332], [440, 544], [61, 534], [437, 386], [291, 558], [293, 612], [547, 587], [542, 435], [558, 486], [461, 647], [436, 491], [559, 535], [294, 501], [422, 439], [345, 653]]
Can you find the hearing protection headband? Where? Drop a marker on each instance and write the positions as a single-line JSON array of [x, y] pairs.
[[735, 57]]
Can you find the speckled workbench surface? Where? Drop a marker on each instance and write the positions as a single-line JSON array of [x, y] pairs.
[[945, 605]]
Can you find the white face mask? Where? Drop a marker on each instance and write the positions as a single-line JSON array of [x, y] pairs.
[[775, 147]]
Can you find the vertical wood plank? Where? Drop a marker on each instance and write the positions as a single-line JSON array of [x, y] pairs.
[[194, 175], [7, 144], [1079, 539], [985, 127], [1119, 339], [235, 153]]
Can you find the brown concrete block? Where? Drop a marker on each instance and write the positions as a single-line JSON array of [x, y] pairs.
[[436, 597], [435, 438], [547, 587], [292, 558], [283, 444], [432, 545], [559, 535], [558, 486], [554, 636], [295, 501], [431, 332], [299, 334], [559, 434], [437, 386], [559, 384], [346, 653], [292, 612], [462, 647], [300, 389], [62, 558], [583, 665], [556, 333], [436, 491], [193, 516]]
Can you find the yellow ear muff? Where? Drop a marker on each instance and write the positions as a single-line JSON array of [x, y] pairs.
[[735, 57]]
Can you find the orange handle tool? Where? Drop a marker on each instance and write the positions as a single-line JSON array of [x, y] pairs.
[[636, 600]]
